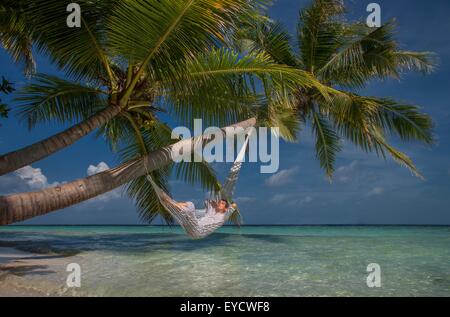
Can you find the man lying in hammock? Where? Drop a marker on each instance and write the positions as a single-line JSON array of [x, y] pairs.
[[221, 206], [215, 210]]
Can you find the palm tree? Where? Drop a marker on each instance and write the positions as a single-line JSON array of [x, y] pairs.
[[335, 57], [23, 206], [345, 56], [169, 59], [128, 55]]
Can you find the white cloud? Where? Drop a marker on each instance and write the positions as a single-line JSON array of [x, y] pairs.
[[278, 198], [33, 178], [24, 179], [114, 194], [376, 191], [306, 200], [28, 178], [299, 202], [345, 173], [243, 200], [290, 200], [282, 177], [12, 183], [101, 167]]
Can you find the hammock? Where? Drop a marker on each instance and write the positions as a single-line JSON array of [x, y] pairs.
[[195, 227]]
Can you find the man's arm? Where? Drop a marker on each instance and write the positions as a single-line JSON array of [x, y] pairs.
[[210, 206]]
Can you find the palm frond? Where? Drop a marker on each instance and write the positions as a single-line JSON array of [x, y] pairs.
[[197, 173], [221, 86], [116, 132], [424, 62], [15, 37], [52, 98], [146, 199], [350, 111], [406, 121], [219, 100], [138, 142], [327, 143], [365, 53], [352, 116], [365, 120], [319, 31], [167, 30], [221, 66], [265, 35], [282, 114], [79, 51], [398, 156]]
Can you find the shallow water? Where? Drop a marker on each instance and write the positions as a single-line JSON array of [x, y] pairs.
[[250, 261]]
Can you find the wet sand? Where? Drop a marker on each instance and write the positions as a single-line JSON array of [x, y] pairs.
[[25, 274]]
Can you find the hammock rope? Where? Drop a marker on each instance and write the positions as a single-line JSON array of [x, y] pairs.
[[195, 227]]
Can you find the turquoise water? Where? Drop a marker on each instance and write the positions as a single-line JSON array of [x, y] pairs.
[[250, 261]]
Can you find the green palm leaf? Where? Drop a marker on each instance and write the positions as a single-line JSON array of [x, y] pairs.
[[406, 121], [220, 66], [139, 142], [79, 51], [282, 114], [365, 53], [319, 32], [424, 62], [146, 199], [15, 37], [168, 30], [265, 35], [327, 143], [398, 156], [216, 102], [402, 120], [51, 98]]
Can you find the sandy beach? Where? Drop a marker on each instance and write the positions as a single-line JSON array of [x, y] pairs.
[[27, 274]]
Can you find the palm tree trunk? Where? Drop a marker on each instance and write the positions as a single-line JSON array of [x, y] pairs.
[[14, 160], [23, 206]]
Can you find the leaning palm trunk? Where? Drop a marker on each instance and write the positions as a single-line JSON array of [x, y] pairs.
[[23, 206], [14, 160]]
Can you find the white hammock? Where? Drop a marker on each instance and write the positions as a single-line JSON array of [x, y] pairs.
[[195, 227]]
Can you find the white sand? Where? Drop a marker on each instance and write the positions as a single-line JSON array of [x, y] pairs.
[[28, 274]]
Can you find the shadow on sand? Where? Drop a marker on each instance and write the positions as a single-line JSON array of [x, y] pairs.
[[22, 270], [69, 245]]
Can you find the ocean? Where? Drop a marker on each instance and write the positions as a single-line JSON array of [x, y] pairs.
[[246, 261]]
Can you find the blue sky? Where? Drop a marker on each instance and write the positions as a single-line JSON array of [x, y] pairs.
[[365, 190]]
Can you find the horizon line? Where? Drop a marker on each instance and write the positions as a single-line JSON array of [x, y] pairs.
[[231, 226]]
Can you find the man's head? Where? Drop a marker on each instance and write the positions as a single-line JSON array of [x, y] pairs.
[[222, 205]]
